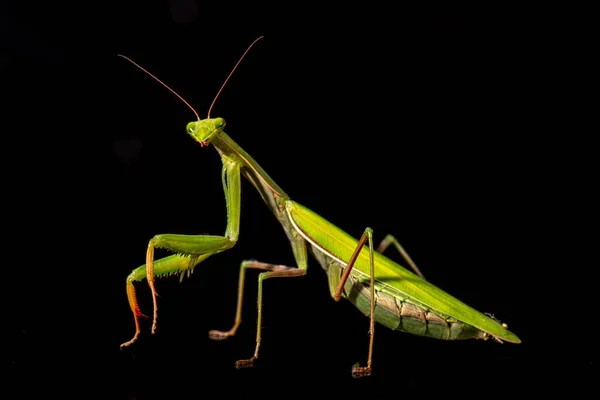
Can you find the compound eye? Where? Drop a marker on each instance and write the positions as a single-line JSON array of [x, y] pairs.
[[219, 123], [190, 128]]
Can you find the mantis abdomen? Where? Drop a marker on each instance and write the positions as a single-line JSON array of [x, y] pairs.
[[406, 316], [394, 310]]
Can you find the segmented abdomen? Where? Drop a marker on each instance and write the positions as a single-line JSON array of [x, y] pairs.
[[404, 314]]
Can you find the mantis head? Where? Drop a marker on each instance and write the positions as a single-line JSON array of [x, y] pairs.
[[204, 130]]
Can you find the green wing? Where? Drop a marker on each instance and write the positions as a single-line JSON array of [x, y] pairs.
[[340, 245]]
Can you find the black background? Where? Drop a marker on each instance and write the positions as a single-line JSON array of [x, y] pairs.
[[435, 124]]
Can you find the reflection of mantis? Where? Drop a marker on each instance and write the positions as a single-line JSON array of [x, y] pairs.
[[377, 286]]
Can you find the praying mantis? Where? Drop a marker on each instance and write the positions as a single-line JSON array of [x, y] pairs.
[[389, 294]]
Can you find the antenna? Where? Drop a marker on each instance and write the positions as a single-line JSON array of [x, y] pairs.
[[162, 83], [231, 73]]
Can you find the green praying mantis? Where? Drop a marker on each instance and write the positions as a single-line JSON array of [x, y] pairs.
[[383, 290]]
